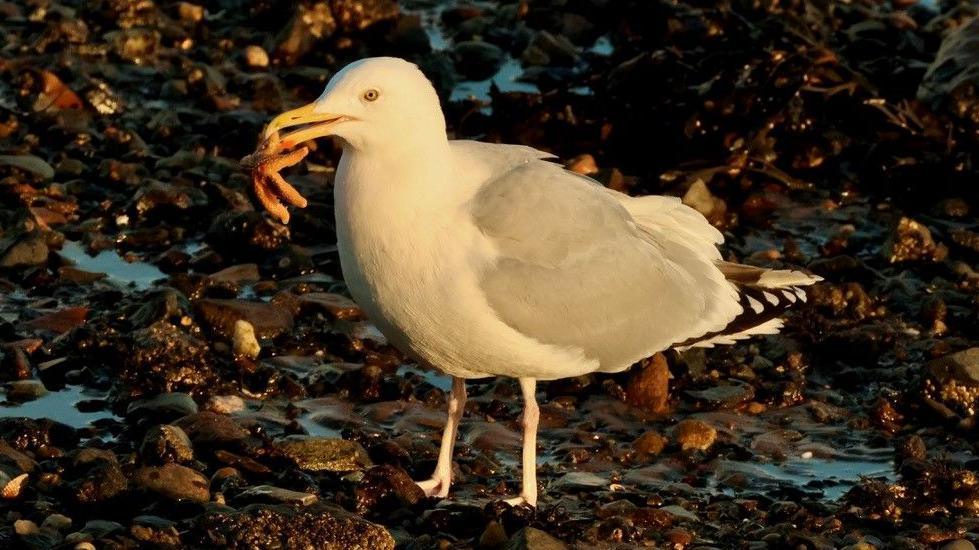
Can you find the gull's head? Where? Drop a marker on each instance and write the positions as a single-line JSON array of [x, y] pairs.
[[372, 103]]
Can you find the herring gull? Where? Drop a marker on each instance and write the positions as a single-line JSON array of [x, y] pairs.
[[487, 259]]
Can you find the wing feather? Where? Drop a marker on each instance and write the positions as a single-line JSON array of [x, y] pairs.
[[575, 269]]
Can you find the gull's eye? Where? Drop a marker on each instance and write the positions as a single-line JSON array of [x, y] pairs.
[[371, 95]]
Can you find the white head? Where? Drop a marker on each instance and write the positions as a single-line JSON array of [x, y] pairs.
[[371, 104]]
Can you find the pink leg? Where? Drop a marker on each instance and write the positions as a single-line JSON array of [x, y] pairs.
[[438, 485], [531, 416]]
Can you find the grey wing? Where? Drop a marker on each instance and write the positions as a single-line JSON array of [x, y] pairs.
[[574, 269]]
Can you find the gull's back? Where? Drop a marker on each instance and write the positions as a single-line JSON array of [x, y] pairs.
[[573, 268]]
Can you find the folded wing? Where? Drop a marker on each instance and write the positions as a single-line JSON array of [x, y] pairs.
[[575, 269]]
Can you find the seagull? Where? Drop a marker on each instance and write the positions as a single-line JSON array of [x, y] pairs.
[[483, 259]]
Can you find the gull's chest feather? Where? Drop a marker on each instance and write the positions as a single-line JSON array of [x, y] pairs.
[[402, 258]]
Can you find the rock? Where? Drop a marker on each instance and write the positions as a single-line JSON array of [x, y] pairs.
[[494, 536], [309, 24], [267, 320], [699, 197], [16, 459], [530, 538], [960, 544], [161, 305], [476, 60], [256, 57], [21, 391], [162, 358], [98, 476], [324, 454], [24, 527], [164, 407], [60, 321], [243, 341], [58, 522], [276, 495], [357, 15], [695, 435], [385, 489], [649, 444], [134, 44], [29, 250], [33, 435], [166, 443], [550, 49], [724, 396], [247, 235], [31, 163], [175, 482], [166, 198], [648, 386], [336, 305], [951, 80], [953, 380], [318, 526], [225, 404], [208, 428], [911, 241], [155, 532], [583, 164], [192, 13], [237, 274]]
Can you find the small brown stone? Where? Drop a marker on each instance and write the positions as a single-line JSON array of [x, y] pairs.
[[583, 164], [695, 435], [649, 444], [648, 387]]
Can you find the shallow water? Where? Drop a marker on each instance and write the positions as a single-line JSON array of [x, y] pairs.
[[59, 406], [139, 275]]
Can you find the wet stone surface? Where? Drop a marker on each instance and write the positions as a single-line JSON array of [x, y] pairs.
[[181, 370]]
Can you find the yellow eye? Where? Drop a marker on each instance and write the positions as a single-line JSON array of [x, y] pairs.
[[371, 95]]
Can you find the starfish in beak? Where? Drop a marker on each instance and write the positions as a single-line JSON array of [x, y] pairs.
[[273, 155]]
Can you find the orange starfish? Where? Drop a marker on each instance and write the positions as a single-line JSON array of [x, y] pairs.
[[270, 187]]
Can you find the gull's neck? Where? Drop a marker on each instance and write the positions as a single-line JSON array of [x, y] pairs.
[[414, 165]]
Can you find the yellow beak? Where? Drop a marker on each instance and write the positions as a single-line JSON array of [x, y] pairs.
[[317, 125]]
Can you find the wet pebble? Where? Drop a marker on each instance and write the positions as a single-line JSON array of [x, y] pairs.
[[649, 444], [25, 527], [225, 404], [275, 495], [912, 241], [25, 390], [31, 250], [336, 305], [324, 454], [155, 532], [243, 341], [694, 435], [97, 476], [282, 526], [256, 57], [164, 407], [953, 380], [384, 489], [476, 60], [208, 428], [726, 395], [648, 386], [267, 320], [530, 538], [174, 481], [166, 443]]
